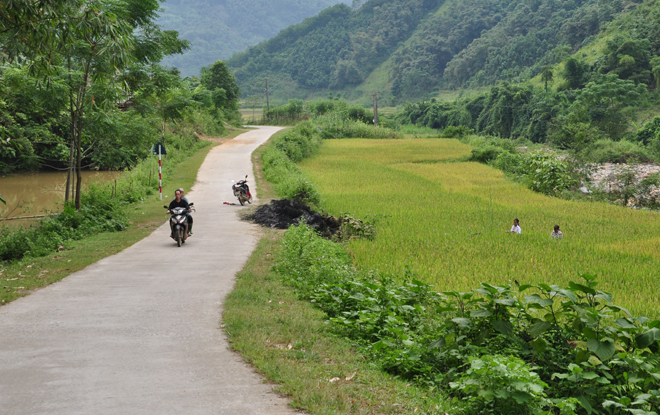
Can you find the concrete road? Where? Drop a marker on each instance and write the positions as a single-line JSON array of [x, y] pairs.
[[139, 332]]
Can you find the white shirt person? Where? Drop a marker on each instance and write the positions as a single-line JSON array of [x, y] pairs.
[[516, 227], [557, 234]]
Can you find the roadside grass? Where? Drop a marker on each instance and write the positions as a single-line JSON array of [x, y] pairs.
[[447, 222], [288, 342], [24, 277], [264, 189]]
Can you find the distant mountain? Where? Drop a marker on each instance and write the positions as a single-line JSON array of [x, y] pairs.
[[220, 28], [410, 49]]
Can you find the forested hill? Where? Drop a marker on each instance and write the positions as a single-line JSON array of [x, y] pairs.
[[219, 28], [409, 48]]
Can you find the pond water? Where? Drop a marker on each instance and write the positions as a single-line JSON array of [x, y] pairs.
[[38, 193]]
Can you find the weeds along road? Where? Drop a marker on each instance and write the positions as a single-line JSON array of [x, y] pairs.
[[139, 332]]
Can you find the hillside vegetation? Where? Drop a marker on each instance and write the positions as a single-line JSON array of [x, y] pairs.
[[219, 28], [411, 47]]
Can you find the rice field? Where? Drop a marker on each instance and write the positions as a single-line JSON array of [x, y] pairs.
[[446, 220]]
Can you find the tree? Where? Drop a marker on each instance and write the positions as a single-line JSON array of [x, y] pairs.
[[655, 64], [86, 43], [30, 28], [547, 76], [96, 42], [574, 73], [603, 100], [222, 83]]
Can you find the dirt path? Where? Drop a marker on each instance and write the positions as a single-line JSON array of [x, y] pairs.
[[138, 332]]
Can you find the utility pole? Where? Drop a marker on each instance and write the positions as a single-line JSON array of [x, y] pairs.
[[267, 101], [376, 110]]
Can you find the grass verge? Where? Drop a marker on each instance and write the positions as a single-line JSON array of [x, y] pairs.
[[287, 341], [24, 277]]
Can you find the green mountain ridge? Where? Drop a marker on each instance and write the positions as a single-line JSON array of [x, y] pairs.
[[224, 27], [412, 49]]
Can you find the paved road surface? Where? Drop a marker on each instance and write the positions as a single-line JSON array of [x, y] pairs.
[[130, 334]]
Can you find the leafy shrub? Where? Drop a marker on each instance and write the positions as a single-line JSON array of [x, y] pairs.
[[649, 132], [99, 213], [544, 173], [501, 349], [279, 162], [308, 260], [509, 162], [487, 153], [608, 151], [501, 384], [339, 125], [541, 171], [572, 136], [300, 142], [487, 149], [456, 132]]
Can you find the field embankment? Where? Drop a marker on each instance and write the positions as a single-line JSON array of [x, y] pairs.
[[447, 221]]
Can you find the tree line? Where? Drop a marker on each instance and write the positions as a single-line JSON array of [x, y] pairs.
[[590, 108], [428, 45], [336, 49], [221, 28], [81, 86]]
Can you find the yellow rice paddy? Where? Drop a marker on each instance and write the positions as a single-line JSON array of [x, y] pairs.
[[447, 222]]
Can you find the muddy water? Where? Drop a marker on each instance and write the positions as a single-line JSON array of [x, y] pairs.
[[38, 193]]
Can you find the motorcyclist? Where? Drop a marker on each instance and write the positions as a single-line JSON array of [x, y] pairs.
[[179, 201], [189, 216]]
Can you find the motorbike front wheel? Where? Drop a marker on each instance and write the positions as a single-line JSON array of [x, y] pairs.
[[179, 236]]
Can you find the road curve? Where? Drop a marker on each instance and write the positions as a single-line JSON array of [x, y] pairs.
[[138, 332]]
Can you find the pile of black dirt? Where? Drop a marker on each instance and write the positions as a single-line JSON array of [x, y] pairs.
[[283, 213]]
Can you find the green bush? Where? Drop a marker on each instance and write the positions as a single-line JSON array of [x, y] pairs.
[[486, 153], [543, 172], [300, 142], [509, 162], [501, 384], [572, 136], [339, 125], [308, 260], [487, 149], [608, 151], [279, 163], [456, 132], [524, 349], [99, 213], [649, 132]]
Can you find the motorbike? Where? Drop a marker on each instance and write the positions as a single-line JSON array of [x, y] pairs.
[[178, 221], [242, 191]]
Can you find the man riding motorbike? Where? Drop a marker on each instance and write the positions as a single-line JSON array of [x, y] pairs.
[[190, 218], [179, 201]]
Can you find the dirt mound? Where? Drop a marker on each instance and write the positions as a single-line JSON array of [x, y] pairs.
[[283, 213]]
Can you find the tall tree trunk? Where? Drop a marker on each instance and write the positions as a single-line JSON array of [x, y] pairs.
[[72, 146], [78, 169], [82, 93], [69, 177]]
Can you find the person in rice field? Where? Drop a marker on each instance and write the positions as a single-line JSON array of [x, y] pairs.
[[557, 234], [516, 227]]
